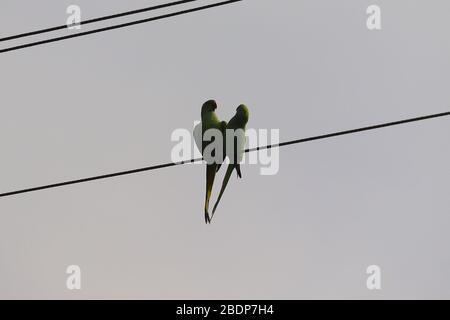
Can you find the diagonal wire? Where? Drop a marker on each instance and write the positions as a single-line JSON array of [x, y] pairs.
[[172, 164], [99, 19], [118, 26]]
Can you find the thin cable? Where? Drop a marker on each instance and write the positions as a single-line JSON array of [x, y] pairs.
[[172, 164], [341, 133], [113, 16], [123, 25]]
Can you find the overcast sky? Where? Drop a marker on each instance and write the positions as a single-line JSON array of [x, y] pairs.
[[110, 101]]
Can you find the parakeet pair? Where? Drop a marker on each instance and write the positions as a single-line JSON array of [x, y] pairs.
[[234, 129]]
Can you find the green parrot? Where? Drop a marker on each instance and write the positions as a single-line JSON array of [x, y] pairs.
[[209, 121], [237, 124]]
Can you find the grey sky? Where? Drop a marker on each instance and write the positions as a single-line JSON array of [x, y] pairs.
[[109, 102]]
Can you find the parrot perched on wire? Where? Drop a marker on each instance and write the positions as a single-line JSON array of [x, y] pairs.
[[234, 150], [209, 121]]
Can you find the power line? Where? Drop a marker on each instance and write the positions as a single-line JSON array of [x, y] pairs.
[[118, 26], [341, 133], [99, 19], [172, 164]]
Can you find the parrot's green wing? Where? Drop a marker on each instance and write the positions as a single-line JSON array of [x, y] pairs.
[[239, 149], [238, 124], [223, 129], [209, 121]]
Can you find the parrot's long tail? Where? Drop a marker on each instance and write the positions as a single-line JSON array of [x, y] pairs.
[[210, 175], [224, 185], [207, 218], [238, 171]]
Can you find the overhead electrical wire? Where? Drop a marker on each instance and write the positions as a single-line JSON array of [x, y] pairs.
[[112, 27], [94, 20], [160, 17], [172, 164]]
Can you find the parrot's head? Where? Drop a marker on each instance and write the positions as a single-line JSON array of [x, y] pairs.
[[242, 113], [209, 106]]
